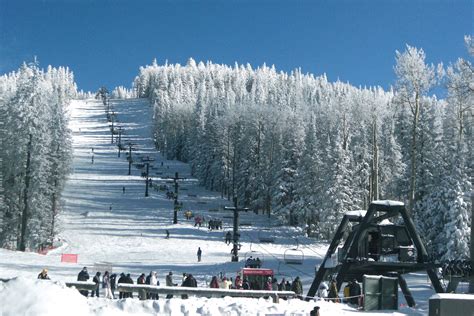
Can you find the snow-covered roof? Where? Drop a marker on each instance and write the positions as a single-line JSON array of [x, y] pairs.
[[388, 203], [356, 213], [453, 296], [386, 222]]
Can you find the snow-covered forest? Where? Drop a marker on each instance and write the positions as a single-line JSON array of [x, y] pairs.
[[306, 149], [35, 154]]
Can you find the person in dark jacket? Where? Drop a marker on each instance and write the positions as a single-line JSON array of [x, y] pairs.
[[141, 280], [228, 238], [128, 280], [113, 278], [297, 287], [96, 280], [189, 282], [199, 253], [245, 284], [44, 275], [122, 279], [83, 276], [354, 292]]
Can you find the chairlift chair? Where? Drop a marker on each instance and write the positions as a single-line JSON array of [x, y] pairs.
[[293, 256], [265, 236], [253, 254]]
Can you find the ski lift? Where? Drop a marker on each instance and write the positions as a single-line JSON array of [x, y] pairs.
[[266, 236], [253, 258], [293, 256]]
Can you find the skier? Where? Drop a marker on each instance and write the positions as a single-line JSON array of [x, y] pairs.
[[128, 279], [297, 287], [122, 279], [199, 253], [152, 280], [323, 290], [333, 295], [228, 238], [214, 283], [96, 280], [141, 281], [274, 284], [238, 282], [245, 284], [189, 282], [225, 284], [123, 190], [268, 284], [354, 292], [113, 278], [106, 285], [169, 282], [83, 276], [44, 275], [167, 234], [281, 286]]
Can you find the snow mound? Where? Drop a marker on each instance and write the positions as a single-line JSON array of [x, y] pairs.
[[22, 296]]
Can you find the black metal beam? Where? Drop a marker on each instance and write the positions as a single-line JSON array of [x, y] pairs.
[[332, 248]]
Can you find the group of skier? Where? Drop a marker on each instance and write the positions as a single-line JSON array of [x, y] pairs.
[[352, 292], [271, 284], [109, 283]]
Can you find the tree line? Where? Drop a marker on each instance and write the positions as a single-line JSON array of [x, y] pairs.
[[35, 155], [307, 150]]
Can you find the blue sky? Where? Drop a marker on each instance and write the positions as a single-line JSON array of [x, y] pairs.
[[105, 42]]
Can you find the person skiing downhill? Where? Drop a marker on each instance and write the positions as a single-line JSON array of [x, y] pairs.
[[199, 253]]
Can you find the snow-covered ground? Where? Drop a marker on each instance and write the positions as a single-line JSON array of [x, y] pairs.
[[125, 232]]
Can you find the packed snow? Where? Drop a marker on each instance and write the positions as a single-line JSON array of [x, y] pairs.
[[124, 231]]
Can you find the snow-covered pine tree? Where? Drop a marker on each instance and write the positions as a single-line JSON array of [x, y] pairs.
[[33, 168], [414, 79]]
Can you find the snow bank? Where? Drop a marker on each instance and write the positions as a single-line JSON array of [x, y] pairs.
[[22, 296]]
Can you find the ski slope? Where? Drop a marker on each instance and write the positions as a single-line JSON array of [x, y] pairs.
[[125, 231]]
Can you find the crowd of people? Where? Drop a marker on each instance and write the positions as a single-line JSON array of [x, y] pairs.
[[109, 283], [352, 292]]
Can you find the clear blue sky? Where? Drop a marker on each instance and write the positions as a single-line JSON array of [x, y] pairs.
[[105, 42]]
